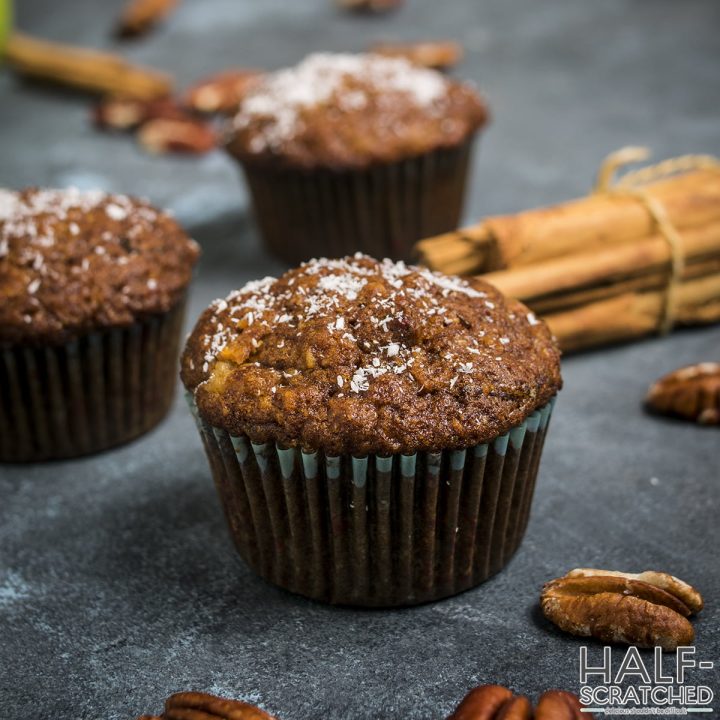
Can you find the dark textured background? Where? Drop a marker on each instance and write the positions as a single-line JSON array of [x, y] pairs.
[[118, 583]]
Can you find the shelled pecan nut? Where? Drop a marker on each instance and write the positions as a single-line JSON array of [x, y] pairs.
[[645, 609], [491, 702], [172, 135], [201, 706], [370, 5], [125, 113], [495, 702], [680, 589], [559, 705], [437, 55], [139, 16], [691, 392], [223, 91]]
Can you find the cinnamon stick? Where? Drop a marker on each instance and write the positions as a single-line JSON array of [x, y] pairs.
[[634, 315], [690, 200], [657, 281], [598, 269], [575, 272], [88, 70], [462, 252]]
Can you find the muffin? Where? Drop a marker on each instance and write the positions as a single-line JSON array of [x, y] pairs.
[[355, 152], [374, 429], [92, 291]]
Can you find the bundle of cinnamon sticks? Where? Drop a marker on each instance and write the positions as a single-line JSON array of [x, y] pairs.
[[599, 269]]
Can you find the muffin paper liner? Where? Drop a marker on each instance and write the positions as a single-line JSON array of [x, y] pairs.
[[381, 211], [99, 390], [374, 530]]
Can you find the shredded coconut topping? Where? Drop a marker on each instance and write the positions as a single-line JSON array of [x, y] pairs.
[[118, 255], [323, 288], [327, 77], [21, 215]]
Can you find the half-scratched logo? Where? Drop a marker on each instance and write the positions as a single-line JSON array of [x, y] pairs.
[[623, 683]]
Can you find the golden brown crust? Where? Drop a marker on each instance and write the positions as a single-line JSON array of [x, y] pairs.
[[692, 393], [72, 262], [619, 608], [352, 111], [357, 356]]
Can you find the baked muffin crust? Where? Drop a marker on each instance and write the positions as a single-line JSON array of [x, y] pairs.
[[360, 356], [350, 111], [73, 262]]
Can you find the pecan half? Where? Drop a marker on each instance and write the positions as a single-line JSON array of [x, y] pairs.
[[692, 393], [124, 113], [139, 16], [675, 586], [370, 5], [173, 135], [645, 609], [223, 91], [495, 702], [437, 55], [492, 702], [559, 705], [201, 706]]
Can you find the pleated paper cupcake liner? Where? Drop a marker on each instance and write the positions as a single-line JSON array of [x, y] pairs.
[[99, 390], [377, 531], [381, 211]]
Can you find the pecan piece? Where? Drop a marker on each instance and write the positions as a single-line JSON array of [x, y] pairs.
[[692, 393], [172, 135], [492, 702], [646, 609], [139, 16], [222, 92], [559, 705], [201, 706], [370, 5], [686, 593], [439, 55], [125, 113]]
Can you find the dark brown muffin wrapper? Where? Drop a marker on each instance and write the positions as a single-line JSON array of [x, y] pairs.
[[381, 211], [99, 390], [377, 531]]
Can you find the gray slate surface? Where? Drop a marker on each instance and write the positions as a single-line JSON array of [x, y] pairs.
[[118, 583]]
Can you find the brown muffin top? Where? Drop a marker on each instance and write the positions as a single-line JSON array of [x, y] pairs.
[[349, 111], [72, 262], [360, 356]]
